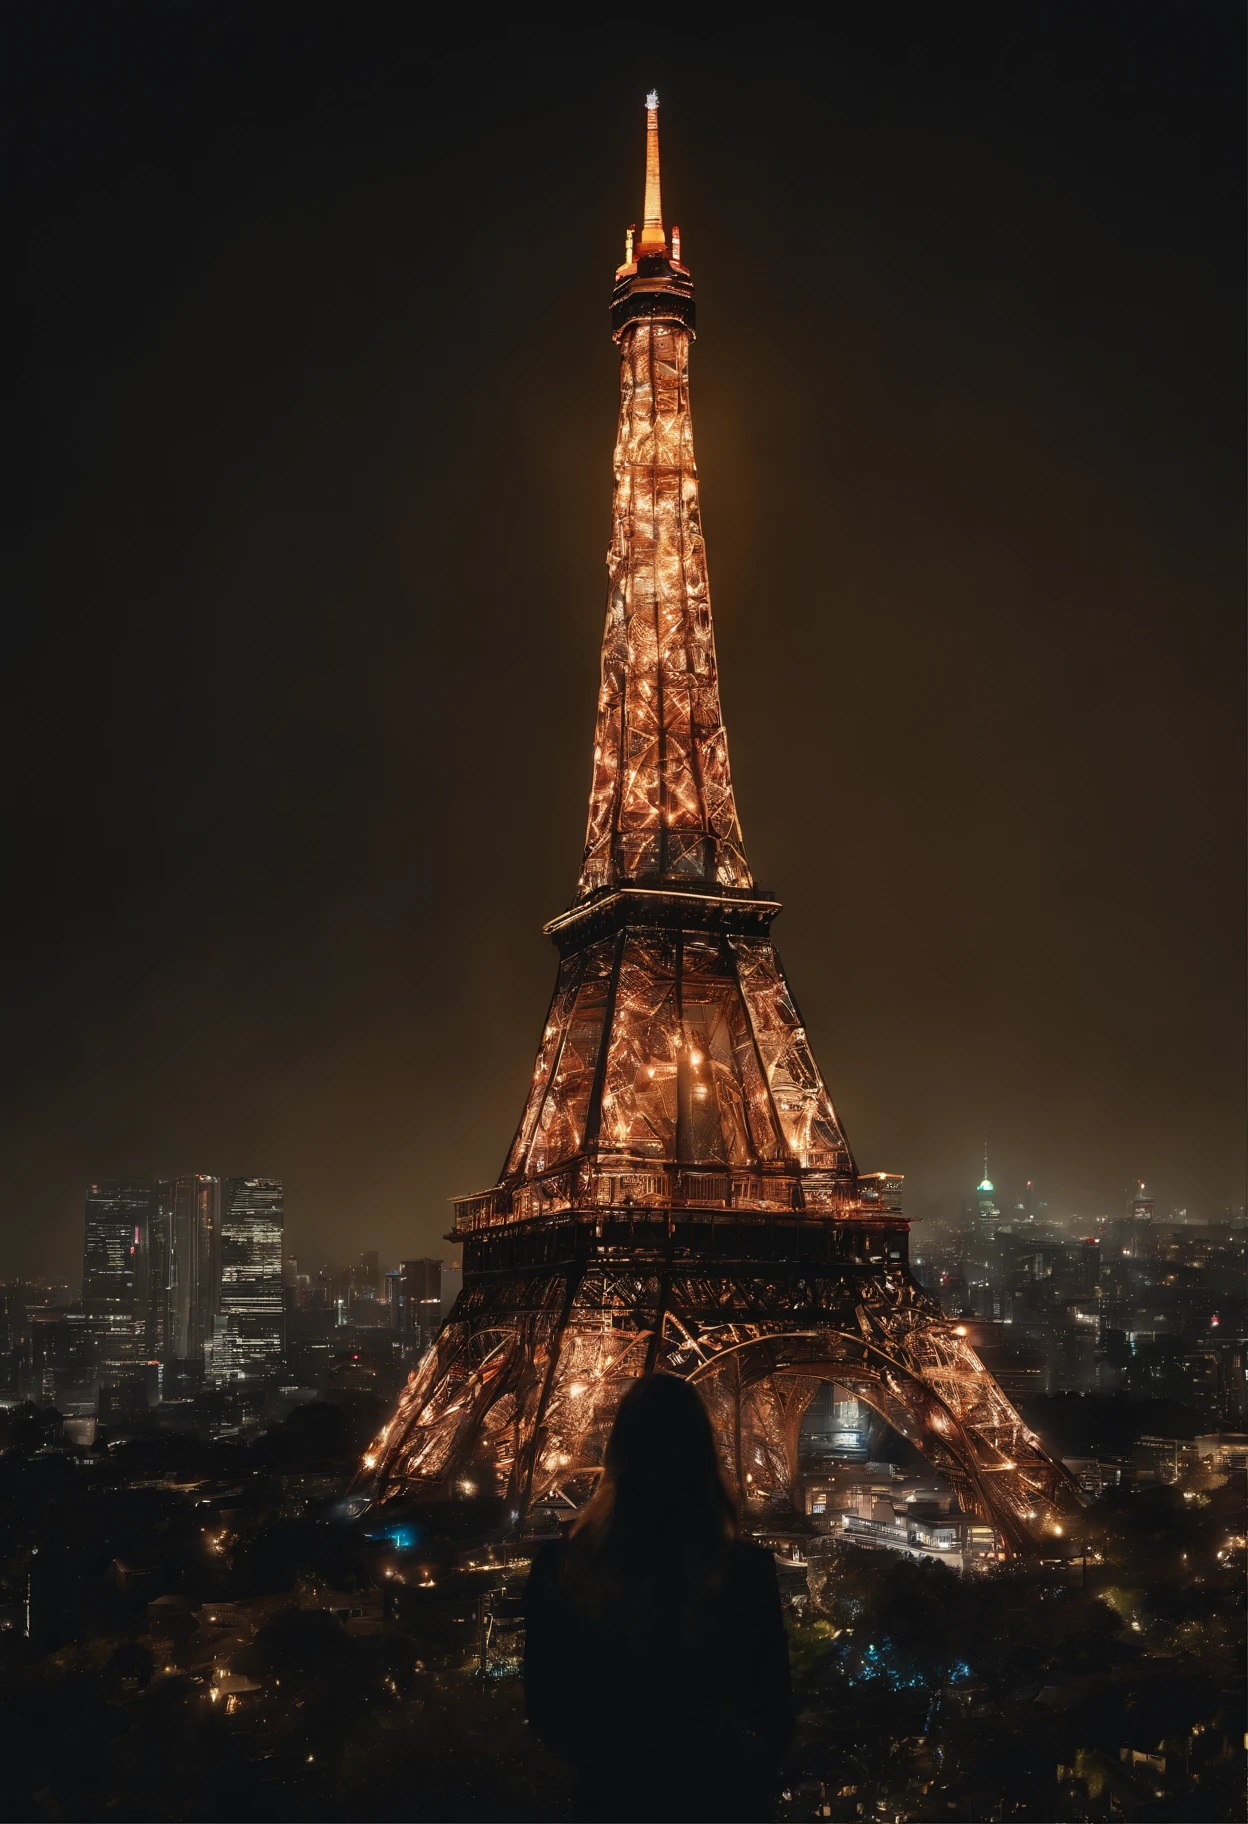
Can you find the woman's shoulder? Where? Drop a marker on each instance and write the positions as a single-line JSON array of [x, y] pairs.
[[549, 1551], [548, 1555], [750, 1563]]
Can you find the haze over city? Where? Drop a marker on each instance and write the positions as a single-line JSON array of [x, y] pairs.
[[300, 697]]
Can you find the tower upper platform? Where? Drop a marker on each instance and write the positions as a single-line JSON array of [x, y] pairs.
[[652, 283]]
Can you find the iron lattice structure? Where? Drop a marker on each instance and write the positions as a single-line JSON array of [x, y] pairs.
[[680, 1195]]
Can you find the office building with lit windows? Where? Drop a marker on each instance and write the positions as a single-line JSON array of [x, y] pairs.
[[122, 1216], [249, 1328], [194, 1218]]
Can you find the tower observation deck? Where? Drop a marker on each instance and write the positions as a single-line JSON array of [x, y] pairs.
[[680, 1196]]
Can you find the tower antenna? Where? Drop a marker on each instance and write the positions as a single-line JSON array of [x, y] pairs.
[[653, 239]]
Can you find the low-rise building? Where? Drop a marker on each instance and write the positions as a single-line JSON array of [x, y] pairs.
[[1164, 1459]]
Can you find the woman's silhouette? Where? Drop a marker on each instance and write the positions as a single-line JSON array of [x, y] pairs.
[[655, 1653]]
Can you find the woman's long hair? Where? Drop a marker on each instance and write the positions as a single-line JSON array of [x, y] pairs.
[[661, 1522]]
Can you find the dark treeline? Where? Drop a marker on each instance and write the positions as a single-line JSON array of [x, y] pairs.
[[1010, 1694]]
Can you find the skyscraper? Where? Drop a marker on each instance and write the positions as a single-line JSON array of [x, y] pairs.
[[249, 1329], [987, 1218], [420, 1299], [195, 1262], [1140, 1203], [121, 1217], [158, 1301], [60, 1356]]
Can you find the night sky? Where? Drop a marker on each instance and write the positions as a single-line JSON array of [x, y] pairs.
[[316, 402]]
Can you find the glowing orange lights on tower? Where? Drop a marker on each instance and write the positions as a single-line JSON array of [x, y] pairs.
[[680, 1196]]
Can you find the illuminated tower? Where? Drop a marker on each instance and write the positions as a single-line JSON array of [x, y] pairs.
[[1141, 1203], [987, 1211], [680, 1195]]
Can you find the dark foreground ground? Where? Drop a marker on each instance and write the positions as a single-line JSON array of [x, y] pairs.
[[192, 1635]]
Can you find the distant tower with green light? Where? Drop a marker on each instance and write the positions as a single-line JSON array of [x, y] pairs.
[[987, 1210]]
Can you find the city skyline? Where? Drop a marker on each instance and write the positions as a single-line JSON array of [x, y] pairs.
[[401, 1234], [1012, 1204]]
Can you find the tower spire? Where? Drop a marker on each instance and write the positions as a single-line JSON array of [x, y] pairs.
[[653, 239], [661, 805]]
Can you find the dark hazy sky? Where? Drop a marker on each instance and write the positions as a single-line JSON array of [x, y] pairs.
[[316, 404]]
